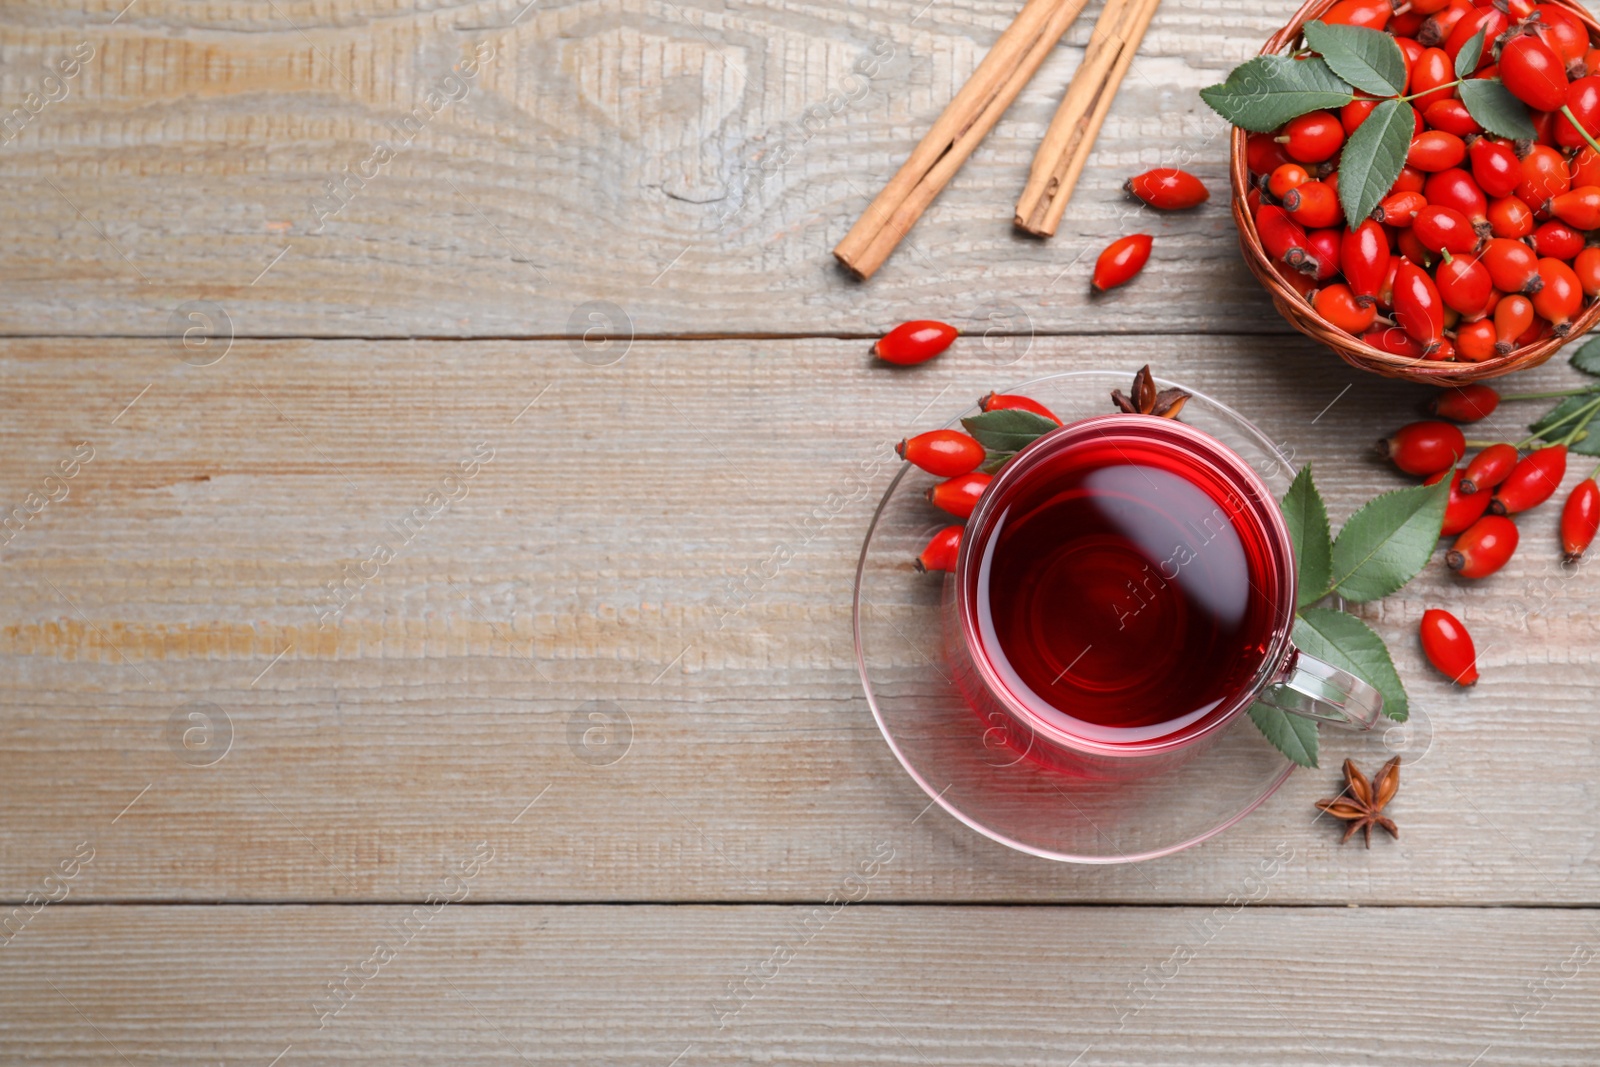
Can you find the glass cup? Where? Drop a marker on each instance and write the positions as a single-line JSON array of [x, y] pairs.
[[1204, 631]]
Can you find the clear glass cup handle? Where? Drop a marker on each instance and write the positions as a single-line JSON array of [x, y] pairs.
[[1312, 689]]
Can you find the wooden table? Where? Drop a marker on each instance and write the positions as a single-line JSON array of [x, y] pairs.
[[578, 762]]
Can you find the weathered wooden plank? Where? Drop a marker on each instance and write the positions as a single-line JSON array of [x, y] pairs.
[[614, 549], [690, 165], [849, 985]]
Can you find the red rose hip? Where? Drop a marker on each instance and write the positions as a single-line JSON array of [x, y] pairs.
[[1425, 447], [1580, 518], [1122, 259], [1448, 646], [914, 342], [959, 495], [1014, 401], [945, 453], [1531, 482], [942, 551], [1484, 547], [1168, 188]]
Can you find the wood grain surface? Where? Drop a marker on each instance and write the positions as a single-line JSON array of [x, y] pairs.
[[614, 549], [860, 984], [688, 162], [579, 753]]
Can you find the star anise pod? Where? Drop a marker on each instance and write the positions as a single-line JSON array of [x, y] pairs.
[[1362, 802], [1146, 400]]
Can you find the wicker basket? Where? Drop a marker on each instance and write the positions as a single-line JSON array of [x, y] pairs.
[[1298, 311]]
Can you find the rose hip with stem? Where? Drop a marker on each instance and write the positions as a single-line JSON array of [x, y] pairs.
[[1448, 646]]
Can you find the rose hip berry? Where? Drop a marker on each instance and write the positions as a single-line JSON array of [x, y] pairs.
[[945, 453], [1579, 207], [1448, 646], [1464, 285], [1425, 447], [1464, 509], [1468, 403], [1489, 468], [1008, 401], [1364, 258], [1314, 137], [1533, 72], [1444, 229], [1512, 265], [1283, 238], [1531, 482], [1122, 259], [1556, 239], [1339, 305], [1495, 167], [1168, 188], [1580, 518], [1510, 217], [1418, 307], [1314, 205], [959, 495], [1560, 295], [914, 342], [1513, 316], [1436, 150], [941, 552], [1285, 178], [1475, 340], [1483, 548]]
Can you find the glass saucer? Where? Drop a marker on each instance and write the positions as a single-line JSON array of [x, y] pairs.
[[968, 770]]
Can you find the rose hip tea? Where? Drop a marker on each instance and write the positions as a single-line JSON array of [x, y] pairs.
[[1125, 590]]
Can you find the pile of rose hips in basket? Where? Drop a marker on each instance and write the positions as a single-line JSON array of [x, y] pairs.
[[1482, 245]]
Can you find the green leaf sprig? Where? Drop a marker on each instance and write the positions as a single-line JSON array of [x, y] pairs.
[[1383, 546], [1263, 93]]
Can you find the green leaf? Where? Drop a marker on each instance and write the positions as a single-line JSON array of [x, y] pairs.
[[1307, 517], [1495, 109], [1373, 157], [1587, 357], [1471, 52], [1350, 644], [1560, 419], [1267, 91], [1388, 541], [1590, 444], [1365, 58], [1008, 429], [1293, 735]]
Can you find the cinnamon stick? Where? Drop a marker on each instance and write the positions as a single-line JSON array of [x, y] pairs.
[[964, 122], [1070, 138]]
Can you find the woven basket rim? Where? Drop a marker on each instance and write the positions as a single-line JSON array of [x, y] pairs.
[[1302, 316]]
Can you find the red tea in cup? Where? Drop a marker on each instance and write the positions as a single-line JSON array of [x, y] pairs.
[[1126, 587]]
